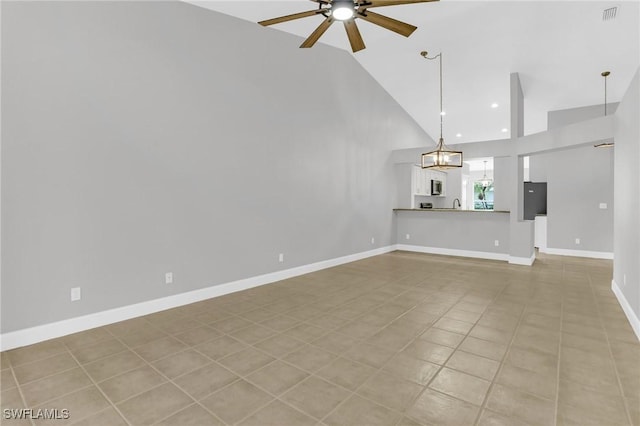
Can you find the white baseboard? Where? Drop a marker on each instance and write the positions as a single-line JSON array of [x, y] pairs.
[[578, 253], [631, 316], [526, 261], [454, 252], [28, 336]]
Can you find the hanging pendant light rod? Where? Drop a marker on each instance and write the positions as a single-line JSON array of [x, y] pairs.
[[605, 75], [425, 55], [442, 157], [607, 144]]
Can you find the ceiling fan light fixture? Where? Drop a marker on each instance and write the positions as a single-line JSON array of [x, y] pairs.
[[343, 10]]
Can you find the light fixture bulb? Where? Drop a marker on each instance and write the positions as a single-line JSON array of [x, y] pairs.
[[494, 105], [443, 113], [458, 135], [505, 130], [342, 11]]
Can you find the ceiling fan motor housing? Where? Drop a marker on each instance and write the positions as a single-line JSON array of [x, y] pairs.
[[343, 9]]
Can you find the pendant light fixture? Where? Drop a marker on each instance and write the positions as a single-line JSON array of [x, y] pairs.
[[442, 157], [485, 181], [607, 144]]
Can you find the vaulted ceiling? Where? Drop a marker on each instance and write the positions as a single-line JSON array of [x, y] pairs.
[[559, 49]]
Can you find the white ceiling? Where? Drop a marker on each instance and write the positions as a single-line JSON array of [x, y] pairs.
[[559, 48]]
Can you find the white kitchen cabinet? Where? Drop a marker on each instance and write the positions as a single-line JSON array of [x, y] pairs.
[[421, 183], [414, 184]]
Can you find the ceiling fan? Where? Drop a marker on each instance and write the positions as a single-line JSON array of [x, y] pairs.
[[347, 11]]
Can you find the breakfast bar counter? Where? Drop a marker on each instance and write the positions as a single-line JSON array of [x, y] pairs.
[[451, 210], [469, 233]]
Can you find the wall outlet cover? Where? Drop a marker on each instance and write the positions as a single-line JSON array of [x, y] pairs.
[[577, 240], [496, 243], [281, 257], [168, 278], [408, 237], [76, 294], [603, 206]]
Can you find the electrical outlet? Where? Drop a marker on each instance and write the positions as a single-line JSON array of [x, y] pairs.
[[577, 240], [373, 240], [168, 278], [603, 206], [281, 257], [75, 294], [408, 237], [496, 243]]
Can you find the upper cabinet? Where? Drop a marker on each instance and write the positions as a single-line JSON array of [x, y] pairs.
[[414, 185], [421, 181]]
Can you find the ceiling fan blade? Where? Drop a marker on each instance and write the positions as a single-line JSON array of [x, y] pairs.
[[324, 26], [388, 23], [355, 38], [289, 17], [380, 3]]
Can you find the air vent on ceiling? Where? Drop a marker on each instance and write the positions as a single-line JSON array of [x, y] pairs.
[[610, 14]]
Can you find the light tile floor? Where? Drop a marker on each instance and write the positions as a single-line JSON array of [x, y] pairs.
[[398, 339]]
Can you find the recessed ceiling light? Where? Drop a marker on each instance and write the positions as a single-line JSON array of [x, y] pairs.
[[505, 130], [494, 105], [443, 113], [458, 135]]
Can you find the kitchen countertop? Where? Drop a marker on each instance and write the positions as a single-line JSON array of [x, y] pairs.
[[451, 210]]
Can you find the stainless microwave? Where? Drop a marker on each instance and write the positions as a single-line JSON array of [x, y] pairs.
[[436, 187]]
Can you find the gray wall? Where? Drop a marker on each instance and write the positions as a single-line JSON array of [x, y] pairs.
[[538, 165], [563, 117], [627, 195], [473, 231], [578, 180], [502, 178], [141, 138]]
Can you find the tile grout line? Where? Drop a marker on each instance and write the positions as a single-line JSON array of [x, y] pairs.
[[559, 361], [22, 397], [149, 364], [78, 365], [241, 377], [340, 355], [381, 368], [615, 365], [214, 361], [95, 384], [483, 406], [426, 385]]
